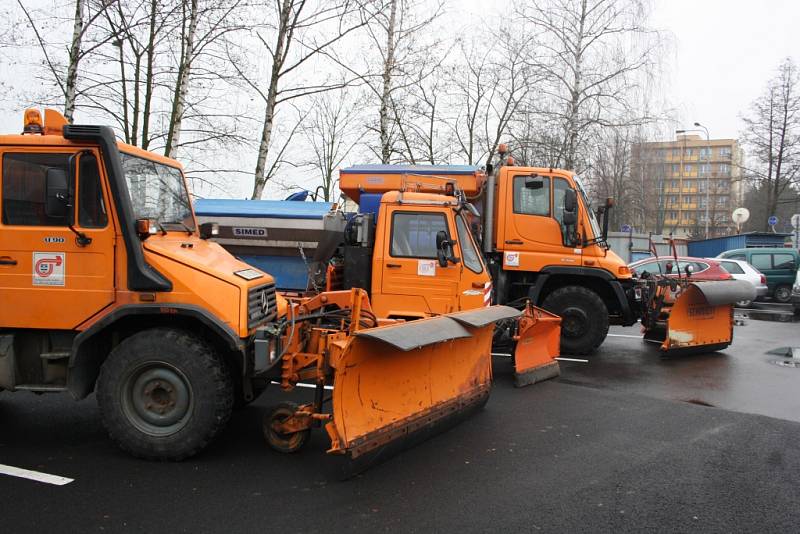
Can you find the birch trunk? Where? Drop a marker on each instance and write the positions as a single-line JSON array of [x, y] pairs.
[[272, 95], [388, 68], [182, 85], [71, 83]]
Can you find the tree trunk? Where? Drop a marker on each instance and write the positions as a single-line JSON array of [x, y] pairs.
[[388, 68], [70, 86], [272, 96], [182, 85], [149, 81], [570, 155]]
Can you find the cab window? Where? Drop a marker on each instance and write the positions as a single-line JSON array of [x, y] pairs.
[[471, 259], [532, 195], [91, 208], [25, 188], [414, 234]]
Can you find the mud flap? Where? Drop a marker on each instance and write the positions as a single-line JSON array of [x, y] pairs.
[[538, 340], [701, 317], [396, 385]]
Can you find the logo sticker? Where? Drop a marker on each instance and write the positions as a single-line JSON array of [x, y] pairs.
[[426, 267], [49, 268], [511, 259], [249, 232]]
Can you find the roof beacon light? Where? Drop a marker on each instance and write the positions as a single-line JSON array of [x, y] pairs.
[[33, 122], [502, 148]]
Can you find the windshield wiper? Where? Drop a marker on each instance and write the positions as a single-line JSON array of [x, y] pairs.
[[186, 228], [160, 226]]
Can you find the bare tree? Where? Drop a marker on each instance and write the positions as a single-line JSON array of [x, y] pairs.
[[330, 132], [303, 31], [772, 135], [86, 13], [596, 49]]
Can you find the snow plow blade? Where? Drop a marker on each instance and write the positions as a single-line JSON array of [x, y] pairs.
[[701, 317], [537, 345], [395, 385]]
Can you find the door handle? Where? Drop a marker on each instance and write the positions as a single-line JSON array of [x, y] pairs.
[[514, 242], [393, 265], [5, 260]]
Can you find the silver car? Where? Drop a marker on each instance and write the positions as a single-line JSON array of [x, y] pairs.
[[741, 270]]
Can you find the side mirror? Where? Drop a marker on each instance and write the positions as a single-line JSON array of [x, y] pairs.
[[668, 267], [569, 218], [57, 193], [209, 230], [570, 201], [688, 270], [444, 249]]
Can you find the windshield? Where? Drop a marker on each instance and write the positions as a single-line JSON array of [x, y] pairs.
[[157, 192], [592, 219]]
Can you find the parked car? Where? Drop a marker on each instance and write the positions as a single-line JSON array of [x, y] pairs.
[[796, 293], [779, 265], [702, 268], [741, 270]]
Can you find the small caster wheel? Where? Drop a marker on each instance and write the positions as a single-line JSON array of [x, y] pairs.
[[279, 441]]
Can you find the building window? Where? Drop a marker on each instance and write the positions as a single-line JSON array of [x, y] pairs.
[[705, 169], [725, 152], [724, 169], [662, 153], [722, 201], [676, 168], [689, 152], [688, 185], [702, 202], [705, 153], [676, 152], [688, 169]]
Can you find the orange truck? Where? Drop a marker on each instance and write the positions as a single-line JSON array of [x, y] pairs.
[[109, 285], [539, 236]]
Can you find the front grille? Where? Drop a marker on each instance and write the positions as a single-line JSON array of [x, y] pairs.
[[256, 315]]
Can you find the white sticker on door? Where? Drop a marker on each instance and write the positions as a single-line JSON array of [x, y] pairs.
[[426, 267], [511, 259], [48, 268]]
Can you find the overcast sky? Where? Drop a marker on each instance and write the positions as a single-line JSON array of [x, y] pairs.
[[720, 56]]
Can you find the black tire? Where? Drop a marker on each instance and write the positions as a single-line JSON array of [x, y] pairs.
[[164, 394], [584, 318], [783, 294], [285, 443]]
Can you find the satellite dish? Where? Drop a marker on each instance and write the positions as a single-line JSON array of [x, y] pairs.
[[740, 215]]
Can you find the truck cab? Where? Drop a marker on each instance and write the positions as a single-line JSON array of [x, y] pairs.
[[109, 285]]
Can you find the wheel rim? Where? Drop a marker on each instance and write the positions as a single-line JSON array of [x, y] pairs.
[[157, 398], [574, 322], [782, 294]]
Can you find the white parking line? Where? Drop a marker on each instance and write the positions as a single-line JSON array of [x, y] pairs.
[[34, 475], [625, 335]]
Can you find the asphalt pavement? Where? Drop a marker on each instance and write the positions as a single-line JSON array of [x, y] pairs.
[[623, 443]]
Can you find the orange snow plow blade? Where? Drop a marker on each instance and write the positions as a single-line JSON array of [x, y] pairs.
[[700, 317], [395, 385], [537, 345]]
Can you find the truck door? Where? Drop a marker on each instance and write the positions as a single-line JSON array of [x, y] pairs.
[[48, 279], [413, 281], [533, 225]]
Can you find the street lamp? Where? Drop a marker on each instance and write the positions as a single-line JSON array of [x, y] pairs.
[[708, 160]]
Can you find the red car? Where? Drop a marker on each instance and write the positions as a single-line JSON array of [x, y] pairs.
[[702, 268]]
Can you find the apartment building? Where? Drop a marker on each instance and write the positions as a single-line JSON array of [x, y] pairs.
[[690, 184]]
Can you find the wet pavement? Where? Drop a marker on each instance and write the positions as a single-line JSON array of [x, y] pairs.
[[611, 446], [746, 377]]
